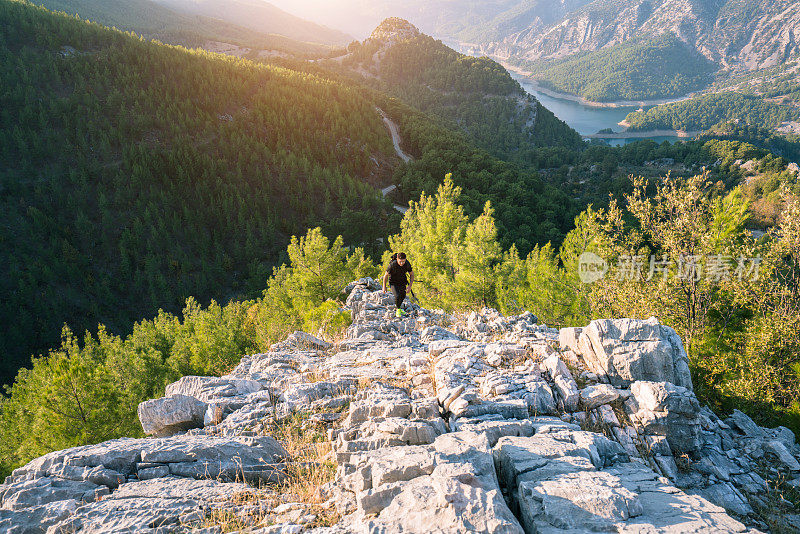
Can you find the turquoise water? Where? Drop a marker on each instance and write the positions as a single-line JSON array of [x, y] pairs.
[[585, 119]]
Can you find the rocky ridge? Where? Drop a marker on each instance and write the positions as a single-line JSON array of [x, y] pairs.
[[744, 35], [435, 424]]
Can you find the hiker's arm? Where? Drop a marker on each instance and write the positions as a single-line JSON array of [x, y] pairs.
[[410, 278], [385, 279]]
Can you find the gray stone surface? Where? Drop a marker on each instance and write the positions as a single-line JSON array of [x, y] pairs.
[[627, 350], [597, 395], [667, 410], [438, 423], [146, 506], [207, 388], [170, 415], [36, 519]]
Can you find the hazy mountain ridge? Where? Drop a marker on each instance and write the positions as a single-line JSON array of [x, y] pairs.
[[261, 16], [176, 22]]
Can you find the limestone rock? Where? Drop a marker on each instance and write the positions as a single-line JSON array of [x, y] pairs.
[[629, 350], [667, 410], [597, 395], [170, 415], [432, 432], [568, 338], [207, 388], [784, 456], [303, 340], [139, 506], [565, 383], [744, 424], [36, 519], [43, 491], [461, 502], [583, 500]]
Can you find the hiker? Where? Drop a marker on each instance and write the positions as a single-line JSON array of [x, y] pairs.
[[396, 276]]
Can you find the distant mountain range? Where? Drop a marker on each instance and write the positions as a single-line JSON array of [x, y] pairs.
[[727, 36], [261, 16], [253, 23], [739, 34]]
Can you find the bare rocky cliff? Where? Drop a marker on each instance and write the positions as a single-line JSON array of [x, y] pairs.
[[739, 34], [479, 423]]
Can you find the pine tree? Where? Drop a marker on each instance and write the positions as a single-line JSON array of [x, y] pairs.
[[477, 257], [432, 230], [318, 267]]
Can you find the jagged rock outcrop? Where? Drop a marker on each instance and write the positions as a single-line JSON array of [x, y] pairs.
[[622, 351], [746, 35], [394, 29], [436, 424]]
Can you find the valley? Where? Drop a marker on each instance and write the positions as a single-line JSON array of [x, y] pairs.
[[197, 205]]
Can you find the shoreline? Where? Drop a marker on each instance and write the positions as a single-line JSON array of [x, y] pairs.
[[645, 134], [589, 103]]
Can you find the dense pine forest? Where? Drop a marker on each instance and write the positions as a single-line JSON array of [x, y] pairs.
[[637, 69], [153, 190], [704, 112], [134, 174]]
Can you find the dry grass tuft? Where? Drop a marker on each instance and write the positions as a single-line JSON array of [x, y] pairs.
[[308, 470], [310, 467]]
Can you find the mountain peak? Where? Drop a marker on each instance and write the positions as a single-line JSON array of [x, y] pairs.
[[394, 29]]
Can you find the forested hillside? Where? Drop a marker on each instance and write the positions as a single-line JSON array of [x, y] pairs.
[[134, 175], [701, 113], [635, 70], [138, 174], [476, 95]]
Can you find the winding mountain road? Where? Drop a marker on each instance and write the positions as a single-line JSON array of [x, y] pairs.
[[405, 157], [395, 136]]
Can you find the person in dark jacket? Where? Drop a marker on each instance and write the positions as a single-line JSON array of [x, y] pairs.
[[396, 276]]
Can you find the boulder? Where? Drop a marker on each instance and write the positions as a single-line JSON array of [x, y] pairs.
[[664, 409], [36, 519], [170, 415], [565, 383], [540, 398], [298, 395], [367, 283], [43, 491], [740, 421], [628, 350], [139, 506], [784, 456], [579, 501], [568, 338], [209, 388], [597, 395], [433, 333], [458, 496], [725, 495]]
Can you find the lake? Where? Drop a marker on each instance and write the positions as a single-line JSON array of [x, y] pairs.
[[586, 119]]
